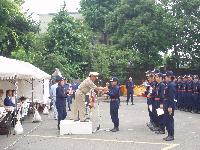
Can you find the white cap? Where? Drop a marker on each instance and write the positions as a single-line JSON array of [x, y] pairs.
[[130, 78], [93, 73]]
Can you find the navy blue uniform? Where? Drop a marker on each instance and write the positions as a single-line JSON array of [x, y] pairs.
[[158, 100], [196, 96], [129, 87], [170, 93], [150, 101], [114, 105], [74, 88], [61, 103], [154, 104], [189, 87], [179, 87], [184, 95]]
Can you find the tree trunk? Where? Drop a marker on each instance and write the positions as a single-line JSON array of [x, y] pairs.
[[104, 38]]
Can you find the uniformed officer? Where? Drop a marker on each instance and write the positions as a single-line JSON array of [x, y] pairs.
[[196, 95], [114, 103], [79, 104], [129, 87], [75, 85], [158, 102], [189, 87], [150, 102], [61, 101], [179, 93], [184, 93], [169, 105], [148, 93]]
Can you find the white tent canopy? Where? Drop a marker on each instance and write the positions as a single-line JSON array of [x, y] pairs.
[[12, 68], [32, 82]]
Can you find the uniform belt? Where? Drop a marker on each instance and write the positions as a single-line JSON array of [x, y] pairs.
[[196, 92], [189, 90], [157, 99]]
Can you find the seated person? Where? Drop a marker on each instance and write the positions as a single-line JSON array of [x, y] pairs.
[[1, 99], [8, 100]]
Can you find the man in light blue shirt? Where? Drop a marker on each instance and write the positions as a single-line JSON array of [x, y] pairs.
[[53, 97]]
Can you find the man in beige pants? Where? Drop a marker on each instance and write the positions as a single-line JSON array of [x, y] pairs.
[[83, 89]]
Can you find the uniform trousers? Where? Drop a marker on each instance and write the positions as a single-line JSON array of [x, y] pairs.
[[61, 113], [78, 111], [169, 118], [130, 95], [114, 107]]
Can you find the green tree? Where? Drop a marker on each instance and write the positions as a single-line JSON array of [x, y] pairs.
[[111, 61], [139, 25], [14, 26], [66, 44], [95, 12], [187, 28]]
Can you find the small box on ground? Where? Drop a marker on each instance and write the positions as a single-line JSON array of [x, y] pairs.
[[75, 127]]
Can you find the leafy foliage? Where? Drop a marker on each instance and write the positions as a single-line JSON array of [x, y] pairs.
[[14, 26], [139, 26], [116, 38]]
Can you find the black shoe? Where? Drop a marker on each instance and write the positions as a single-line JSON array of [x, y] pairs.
[[165, 138], [150, 125], [115, 129], [132, 104], [160, 132], [169, 138], [111, 129]]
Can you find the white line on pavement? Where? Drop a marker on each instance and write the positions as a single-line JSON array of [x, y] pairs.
[[169, 146]]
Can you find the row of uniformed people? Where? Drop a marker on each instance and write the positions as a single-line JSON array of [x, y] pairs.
[[188, 93], [161, 93]]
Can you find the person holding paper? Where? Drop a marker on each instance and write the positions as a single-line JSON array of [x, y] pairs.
[[160, 87]]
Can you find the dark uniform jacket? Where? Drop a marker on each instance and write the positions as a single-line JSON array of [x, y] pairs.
[[114, 92], [160, 88], [130, 86], [60, 96], [196, 88], [170, 93]]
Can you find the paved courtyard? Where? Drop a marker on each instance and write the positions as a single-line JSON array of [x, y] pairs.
[[133, 134]]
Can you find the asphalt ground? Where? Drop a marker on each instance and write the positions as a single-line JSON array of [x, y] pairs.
[[133, 134]]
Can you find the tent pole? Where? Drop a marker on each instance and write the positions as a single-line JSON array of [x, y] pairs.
[[43, 86], [32, 95], [16, 88]]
